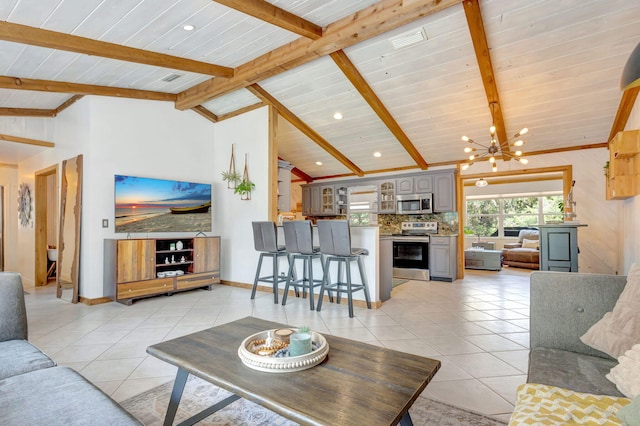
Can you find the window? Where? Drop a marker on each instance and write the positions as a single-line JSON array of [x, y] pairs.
[[506, 216]]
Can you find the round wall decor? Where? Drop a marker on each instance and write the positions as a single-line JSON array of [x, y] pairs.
[[24, 204]]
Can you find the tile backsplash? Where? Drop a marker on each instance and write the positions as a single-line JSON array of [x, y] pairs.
[[447, 222]]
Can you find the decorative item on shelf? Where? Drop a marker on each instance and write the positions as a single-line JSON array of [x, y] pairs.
[[570, 214], [606, 169], [24, 204], [245, 186], [182, 259], [172, 246], [179, 245], [494, 148], [231, 177]]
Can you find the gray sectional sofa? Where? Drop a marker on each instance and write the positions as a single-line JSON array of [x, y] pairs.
[[33, 390], [563, 307]]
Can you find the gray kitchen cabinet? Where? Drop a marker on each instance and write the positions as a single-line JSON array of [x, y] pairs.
[[444, 192], [420, 184], [306, 200], [559, 247], [387, 197], [327, 200], [316, 207], [443, 262]]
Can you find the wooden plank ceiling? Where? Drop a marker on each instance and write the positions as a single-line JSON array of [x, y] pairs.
[[409, 77]]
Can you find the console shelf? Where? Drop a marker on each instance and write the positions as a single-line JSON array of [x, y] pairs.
[[137, 268], [623, 176]]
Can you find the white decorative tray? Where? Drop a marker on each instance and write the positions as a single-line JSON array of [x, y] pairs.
[[284, 364]]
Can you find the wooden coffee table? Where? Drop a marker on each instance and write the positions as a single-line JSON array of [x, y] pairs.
[[356, 384]]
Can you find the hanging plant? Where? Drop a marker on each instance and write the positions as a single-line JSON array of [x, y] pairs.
[[231, 177], [245, 186]]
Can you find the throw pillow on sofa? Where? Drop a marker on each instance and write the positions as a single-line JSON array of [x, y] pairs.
[[626, 375], [619, 329], [532, 244]]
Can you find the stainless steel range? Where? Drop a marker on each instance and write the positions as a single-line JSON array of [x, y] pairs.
[[411, 250]]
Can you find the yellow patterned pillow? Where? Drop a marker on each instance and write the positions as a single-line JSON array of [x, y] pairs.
[[549, 405]]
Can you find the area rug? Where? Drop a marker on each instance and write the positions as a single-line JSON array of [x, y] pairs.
[[149, 407]]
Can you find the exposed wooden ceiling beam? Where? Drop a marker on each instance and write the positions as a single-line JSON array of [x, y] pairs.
[[240, 111], [267, 12], [66, 104], [26, 112], [53, 40], [624, 111], [205, 113], [26, 141], [81, 89], [296, 171], [304, 128], [369, 22], [351, 72], [479, 39]]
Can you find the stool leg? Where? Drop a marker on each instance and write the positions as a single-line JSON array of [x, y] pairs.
[[349, 292], [310, 281], [275, 278], [325, 277], [305, 261], [289, 276], [363, 278], [255, 281], [339, 281]]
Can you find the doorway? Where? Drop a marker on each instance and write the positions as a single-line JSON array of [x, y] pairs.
[[46, 224]]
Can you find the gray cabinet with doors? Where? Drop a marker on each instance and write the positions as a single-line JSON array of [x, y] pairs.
[[327, 200], [418, 184], [387, 196], [559, 247], [443, 258], [444, 192]]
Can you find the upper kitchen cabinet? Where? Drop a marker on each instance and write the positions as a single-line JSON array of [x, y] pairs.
[[387, 196], [444, 193], [327, 200], [420, 184]]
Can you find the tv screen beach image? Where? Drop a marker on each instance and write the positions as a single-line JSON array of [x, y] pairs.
[[159, 205]]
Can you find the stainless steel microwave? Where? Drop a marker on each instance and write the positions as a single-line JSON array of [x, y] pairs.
[[415, 204]]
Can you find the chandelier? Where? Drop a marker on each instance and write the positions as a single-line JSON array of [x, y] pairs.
[[493, 148]]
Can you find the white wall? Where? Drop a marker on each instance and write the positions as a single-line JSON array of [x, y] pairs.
[[630, 213], [152, 139]]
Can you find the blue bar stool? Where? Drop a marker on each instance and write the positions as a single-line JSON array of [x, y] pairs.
[[335, 244], [265, 241], [298, 239]]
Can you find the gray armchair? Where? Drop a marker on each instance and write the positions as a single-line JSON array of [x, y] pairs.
[[515, 255], [17, 356]]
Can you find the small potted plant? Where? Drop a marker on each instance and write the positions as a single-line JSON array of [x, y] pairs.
[[232, 178], [244, 189]]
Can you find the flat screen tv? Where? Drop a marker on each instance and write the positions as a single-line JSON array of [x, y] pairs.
[[159, 205]]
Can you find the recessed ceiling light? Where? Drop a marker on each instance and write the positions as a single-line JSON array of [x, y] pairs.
[[337, 116], [171, 77], [188, 27], [377, 154], [318, 163]]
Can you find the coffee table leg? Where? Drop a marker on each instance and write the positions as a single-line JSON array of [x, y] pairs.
[[176, 394], [406, 420]]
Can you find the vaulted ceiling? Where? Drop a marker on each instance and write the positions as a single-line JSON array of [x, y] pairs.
[[409, 77]]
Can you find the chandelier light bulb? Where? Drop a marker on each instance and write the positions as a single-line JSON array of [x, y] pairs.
[[481, 182], [518, 153], [494, 168], [519, 142], [523, 131], [472, 157], [465, 166], [466, 139], [492, 130], [469, 149], [523, 160], [492, 159]]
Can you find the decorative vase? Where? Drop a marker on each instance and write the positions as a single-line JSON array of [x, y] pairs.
[[179, 245], [299, 344]]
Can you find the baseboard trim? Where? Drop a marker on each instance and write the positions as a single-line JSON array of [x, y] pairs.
[[267, 289], [98, 301]]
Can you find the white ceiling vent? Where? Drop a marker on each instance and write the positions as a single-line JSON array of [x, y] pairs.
[[171, 77], [408, 38]]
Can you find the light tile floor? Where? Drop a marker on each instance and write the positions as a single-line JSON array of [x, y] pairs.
[[477, 327]]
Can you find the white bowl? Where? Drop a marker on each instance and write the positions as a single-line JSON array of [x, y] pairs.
[[161, 274]]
